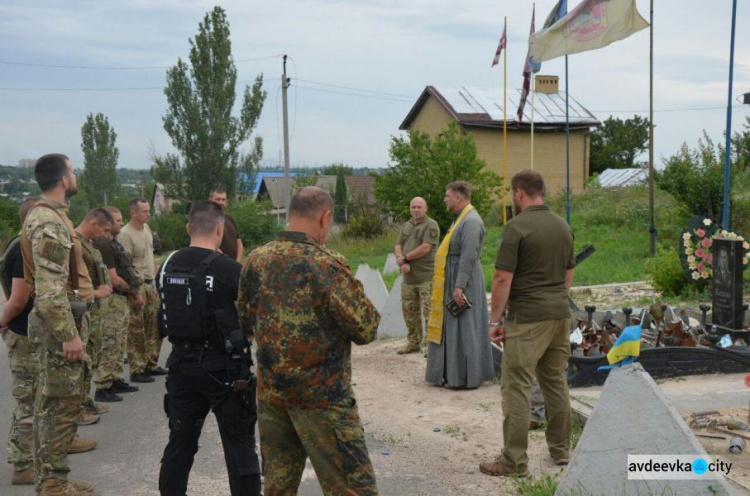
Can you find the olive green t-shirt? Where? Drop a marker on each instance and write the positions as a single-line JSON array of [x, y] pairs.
[[537, 247], [411, 236]]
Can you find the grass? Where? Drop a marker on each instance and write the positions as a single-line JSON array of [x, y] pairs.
[[452, 430], [533, 486], [576, 431]]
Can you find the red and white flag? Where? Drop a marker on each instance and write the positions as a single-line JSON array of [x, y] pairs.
[[500, 47]]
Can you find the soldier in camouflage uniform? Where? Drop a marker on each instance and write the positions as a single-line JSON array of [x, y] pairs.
[[303, 305], [47, 243], [144, 342], [415, 255], [108, 377], [95, 225], [22, 360]]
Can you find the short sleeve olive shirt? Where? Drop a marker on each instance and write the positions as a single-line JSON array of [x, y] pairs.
[[411, 236], [537, 247]]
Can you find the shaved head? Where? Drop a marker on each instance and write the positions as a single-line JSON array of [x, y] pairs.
[[309, 202], [418, 209]]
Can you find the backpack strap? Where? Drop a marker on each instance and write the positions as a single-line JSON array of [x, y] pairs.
[[73, 272]]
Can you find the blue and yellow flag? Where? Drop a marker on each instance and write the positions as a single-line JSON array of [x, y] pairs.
[[626, 348]]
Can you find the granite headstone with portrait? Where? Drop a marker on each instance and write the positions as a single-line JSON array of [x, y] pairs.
[[728, 313]]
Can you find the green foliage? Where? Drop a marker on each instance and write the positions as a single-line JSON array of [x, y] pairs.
[[423, 166], [100, 155], [338, 168], [741, 147], [340, 198], [199, 119], [666, 272], [168, 171], [10, 222], [364, 223], [255, 225], [357, 251], [696, 177], [617, 143], [171, 229]]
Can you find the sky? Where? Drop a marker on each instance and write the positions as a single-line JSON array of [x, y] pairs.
[[356, 68]]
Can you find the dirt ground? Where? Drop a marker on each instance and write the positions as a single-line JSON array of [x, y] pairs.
[[403, 412], [718, 448]]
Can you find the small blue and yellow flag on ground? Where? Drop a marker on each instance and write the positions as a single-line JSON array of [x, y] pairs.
[[626, 348]]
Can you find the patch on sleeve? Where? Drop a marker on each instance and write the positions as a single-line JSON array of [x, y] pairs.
[[434, 232]]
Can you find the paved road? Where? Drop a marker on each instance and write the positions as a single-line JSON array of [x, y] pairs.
[[132, 436]]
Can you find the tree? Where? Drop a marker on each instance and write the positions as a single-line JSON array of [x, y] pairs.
[[695, 177], [741, 146], [423, 166], [340, 197], [199, 119], [617, 143], [335, 169], [100, 155]]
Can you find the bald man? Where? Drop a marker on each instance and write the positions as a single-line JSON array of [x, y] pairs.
[[415, 254]]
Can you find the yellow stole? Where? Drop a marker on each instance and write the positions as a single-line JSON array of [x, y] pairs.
[[437, 307]]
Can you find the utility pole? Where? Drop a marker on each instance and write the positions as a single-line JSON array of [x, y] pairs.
[[651, 220], [287, 178]]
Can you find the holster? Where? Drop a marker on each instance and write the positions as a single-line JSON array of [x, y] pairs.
[[78, 308]]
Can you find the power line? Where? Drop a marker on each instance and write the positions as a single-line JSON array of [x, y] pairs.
[[354, 89], [114, 68], [355, 94]]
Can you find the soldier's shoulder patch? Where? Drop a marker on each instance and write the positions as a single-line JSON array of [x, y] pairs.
[[54, 251], [434, 232]]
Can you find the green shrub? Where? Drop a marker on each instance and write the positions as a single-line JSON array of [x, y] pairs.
[[666, 272], [171, 229], [255, 225], [365, 223]]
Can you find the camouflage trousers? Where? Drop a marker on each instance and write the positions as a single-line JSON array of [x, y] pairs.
[[144, 342], [23, 368], [91, 338], [114, 320], [58, 401], [332, 437], [415, 303]]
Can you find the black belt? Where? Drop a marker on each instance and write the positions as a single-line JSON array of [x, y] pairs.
[[121, 293]]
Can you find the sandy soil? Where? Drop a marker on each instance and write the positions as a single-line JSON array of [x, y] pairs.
[[719, 448], [402, 412]]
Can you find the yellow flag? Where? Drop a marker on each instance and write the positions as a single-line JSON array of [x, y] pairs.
[[592, 24]]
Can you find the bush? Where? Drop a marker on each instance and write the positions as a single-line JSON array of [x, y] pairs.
[[666, 272], [255, 225], [365, 223], [171, 229]]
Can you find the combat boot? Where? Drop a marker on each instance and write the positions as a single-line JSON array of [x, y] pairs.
[[89, 406], [409, 348], [81, 445], [60, 487], [86, 418], [120, 386], [107, 395], [23, 477]]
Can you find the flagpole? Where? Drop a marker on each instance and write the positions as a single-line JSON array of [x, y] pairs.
[[505, 122], [651, 187], [533, 90], [727, 154], [567, 145]]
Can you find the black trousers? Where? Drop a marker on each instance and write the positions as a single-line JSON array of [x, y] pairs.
[[190, 394]]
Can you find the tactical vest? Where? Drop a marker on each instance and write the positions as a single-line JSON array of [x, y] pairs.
[[124, 266], [182, 288]]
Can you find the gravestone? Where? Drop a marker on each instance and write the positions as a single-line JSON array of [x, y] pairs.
[[374, 286], [392, 322], [728, 313], [390, 264], [634, 417]]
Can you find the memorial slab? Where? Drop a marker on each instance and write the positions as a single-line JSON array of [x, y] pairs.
[[392, 324], [728, 313], [391, 265], [375, 288], [633, 417]]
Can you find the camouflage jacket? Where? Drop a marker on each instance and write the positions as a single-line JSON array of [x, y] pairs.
[[46, 242], [305, 308]]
